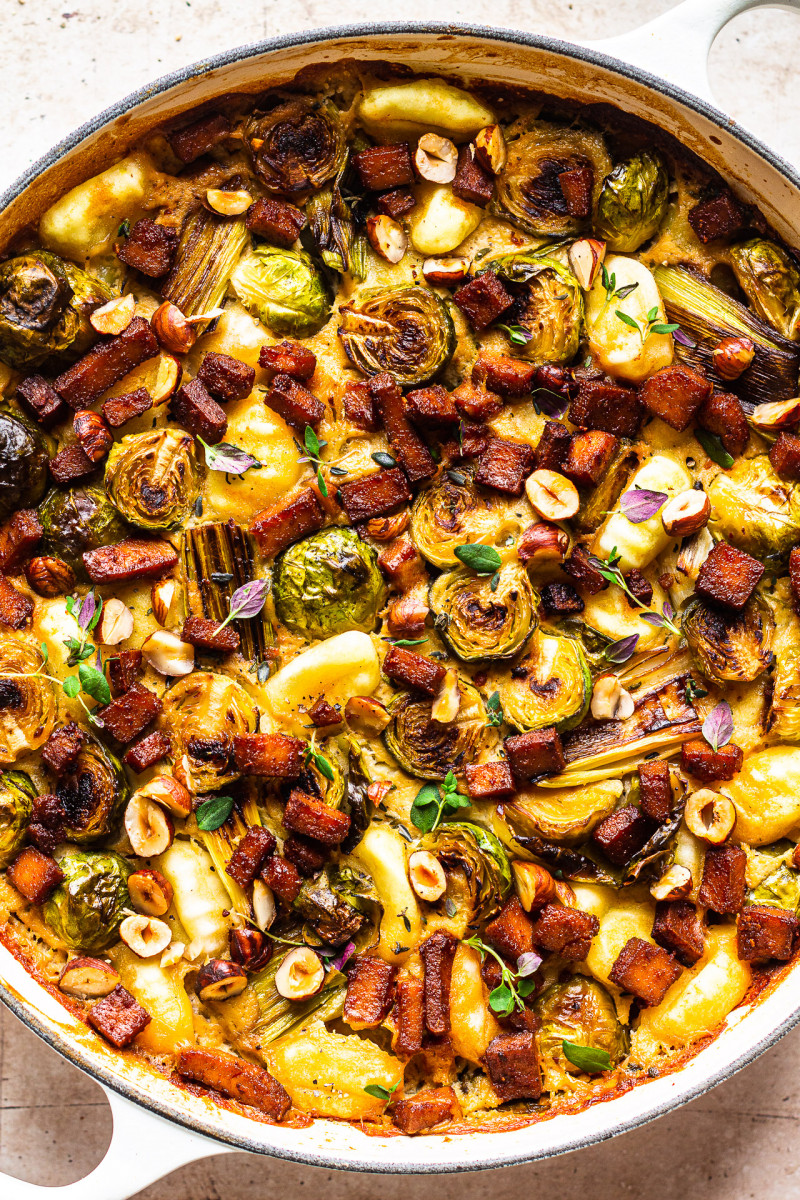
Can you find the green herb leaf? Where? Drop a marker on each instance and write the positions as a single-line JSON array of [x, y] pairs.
[[406, 641], [714, 448], [94, 683], [659, 328], [71, 686], [626, 320], [321, 484], [501, 1000], [379, 1092], [214, 812], [494, 710], [483, 560], [311, 442], [426, 808], [587, 1058]]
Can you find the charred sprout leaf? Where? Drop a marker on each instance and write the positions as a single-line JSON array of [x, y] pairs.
[[94, 793], [481, 620], [87, 908], [590, 1059], [406, 331], [714, 448], [622, 650], [552, 685], [336, 905], [633, 202], [640, 504], [213, 813], [449, 514], [578, 1013], [328, 583], [478, 870], [17, 794], [547, 307], [78, 520], [730, 647], [229, 458], [434, 802], [428, 749], [283, 289], [771, 281], [23, 462], [332, 222], [718, 725], [484, 560], [756, 510], [779, 889]]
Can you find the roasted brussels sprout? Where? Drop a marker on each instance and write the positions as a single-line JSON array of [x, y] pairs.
[[528, 190], [328, 583], [427, 749], [580, 1011], [87, 908], [779, 889], [17, 794], [283, 289], [151, 478], [480, 621], [548, 304], [771, 281], [730, 647], [28, 727], [406, 331], [449, 514], [335, 905], [478, 871], [341, 245], [297, 146], [23, 462], [93, 794], [755, 510], [551, 686], [202, 713], [77, 520], [208, 250], [564, 815], [632, 202]]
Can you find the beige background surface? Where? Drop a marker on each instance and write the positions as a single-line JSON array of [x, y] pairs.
[[64, 60]]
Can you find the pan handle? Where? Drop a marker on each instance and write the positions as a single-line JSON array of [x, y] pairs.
[[143, 1148], [676, 45]]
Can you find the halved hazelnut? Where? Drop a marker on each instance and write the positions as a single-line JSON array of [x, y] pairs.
[[87, 978], [709, 815], [448, 699], [169, 792], [263, 904], [732, 356], [116, 623], [250, 948], [543, 543], [300, 975], [436, 158], [445, 272], [166, 379], [552, 495], [383, 529], [777, 415], [164, 596], [387, 237], [610, 700], [145, 936], [427, 876], [173, 330], [686, 513], [114, 317], [149, 829], [220, 979], [535, 885], [367, 715], [585, 259], [694, 553], [490, 149], [173, 954], [228, 204], [565, 894], [150, 892], [167, 654], [674, 884]]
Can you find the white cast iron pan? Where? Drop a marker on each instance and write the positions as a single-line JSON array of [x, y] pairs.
[[158, 1127]]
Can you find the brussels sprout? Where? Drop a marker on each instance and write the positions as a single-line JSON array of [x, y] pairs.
[[427, 749], [771, 281], [405, 331], [449, 514], [151, 478], [297, 146], [357, 803], [564, 815], [479, 620], [755, 510], [327, 583], [477, 866], [23, 462], [580, 1011], [209, 249], [28, 727], [331, 220], [93, 794], [780, 889], [77, 520], [202, 713], [87, 908], [735, 647], [89, 290], [551, 686], [17, 794], [336, 905], [283, 289], [528, 191], [548, 304], [632, 202]]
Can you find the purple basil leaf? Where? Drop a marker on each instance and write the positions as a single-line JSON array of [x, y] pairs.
[[640, 504], [621, 651], [653, 618], [230, 459], [528, 963], [86, 610], [248, 600], [343, 956], [668, 610], [683, 339], [551, 403], [718, 725]]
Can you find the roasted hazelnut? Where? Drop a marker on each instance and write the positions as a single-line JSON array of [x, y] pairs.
[[436, 158], [777, 415], [149, 829], [490, 149], [447, 701], [116, 623], [407, 615], [384, 529], [114, 317], [709, 815], [173, 953], [674, 884], [93, 435], [686, 513], [263, 904], [250, 948], [174, 332], [586, 258], [168, 376], [427, 876], [367, 715], [543, 543], [167, 654], [445, 272], [87, 978], [50, 576], [610, 700], [535, 885], [387, 237], [228, 204], [150, 892], [552, 495], [732, 356], [145, 936], [170, 793], [300, 975], [219, 979], [164, 596]]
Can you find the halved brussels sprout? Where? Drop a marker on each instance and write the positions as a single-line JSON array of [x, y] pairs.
[[448, 515], [632, 202], [328, 583], [730, 647], [17, 794], [551, 686], [479, 621], [784, 713], [202, 713], [283, 289], [564, 815], [548, 303], [580, 1011], [23, 462], [93, 795], [528, 191], [754, 509], [428, 749], [771, 281], [87, 908], [477, 866], [77, 520], [341, 244], [28, 727], [406, 331], [151, 478], [209, 249], [297, 146], [779, 889], [335, 905]]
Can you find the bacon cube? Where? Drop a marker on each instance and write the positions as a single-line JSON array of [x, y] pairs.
[[148, 751], [510, 377], [126, 716], [276, 221], [567, 932], [512, 1063], [472, 183], [287, 522], [271, 754], [675, 394], [226, 378], [535, 753], [414, 456], [723, 886], [586, 576], [589, 456], [722, 414], [296, 404], [16, 610], [207, 635], [504, 466], [314, 818], [559, 599], [71, 464], [576, 187], [305, 854], [623, 834], [721, 216], [678, 929], [511, 931], [396, 203], [413, 670], [425, 1109], [132, 558], [370, 991], [785, 456], [288, 358], [553, 447], [106, 363], [765, 933], [34, 875], [359, 408], [60, 751], [375, 495], [250, 854], [640, 588], [729, 576], [118, 410], [283, 878], [706, 764], [490, 780], [606, 406], [123, 670], [324, 715], [199, 137], [431, 407], [437, 953], [475, 403], [118, 1017], [794, 576], [235, 1077], [194, 409], [149, 248], [409, 1015], [18, 537], [381, 168], [644, 970], [41, 400], [655, 790], [401, 564], [483, 300]]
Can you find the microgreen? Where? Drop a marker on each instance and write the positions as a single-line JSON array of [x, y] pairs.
[[312, 754], [314, 446], [86, 615], [588, 1058], [514, 986], [718, 726], [664, 619], [652, 324], [230, 459], [494, 710], [434, 802], [214, 812], [379, 1092], [611, 572], [247, 601], [517, 335], [483, 560], [610, 286], [714, 448]]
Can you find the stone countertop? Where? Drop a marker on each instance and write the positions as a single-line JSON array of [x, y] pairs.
[[59, 68]]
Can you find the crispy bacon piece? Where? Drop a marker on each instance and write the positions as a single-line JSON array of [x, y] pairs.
[[427, 1108], [282, 877], [589, 457], [473, 440], [225, 377], [504, 465], [401, 563], [472, 183], [286, 522], [407, 446], [723, 886], [325, 715], [41, 400], [60, 751], [34, 875], [71, 464], [511, 931], [437, 953], [118, 410], [655, 790], [587, 577], [123, 670], [129, 714], [678, 929], [764, 933], [375, 495], [644, 970], [199, 137], [483, 300], [272, 754], [370, 991], [606, 406], [381, 168], [359, 408], [288, 358], [413, 670], [512, 1063], [250, 854], [431, 407], [148, 751], [722, 414], [622, 834], [149, 248], [314, 818], [567, 932], [537, 752], [296, 404], [558, 599], [236, 1078], [118, 1017], [196, 411], [675, 394], [46, 829], [576, 187], [707, 764], [785, 456], [93, 435], [307, 856], [729, 576], [553, 447], [16, 610], [722, 216], [18, 536], [409, 1015], [396, 203], [106, 363], [509, 377], [132, 558], [476, 403], [276, 221], [207, 635], [641, 588], [490, 780]]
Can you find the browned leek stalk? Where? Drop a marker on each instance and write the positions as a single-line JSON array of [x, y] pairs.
[[207, 253], [218, 559]]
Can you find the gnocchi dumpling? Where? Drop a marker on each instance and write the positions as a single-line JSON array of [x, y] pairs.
[[408, 110], [626, 351]]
